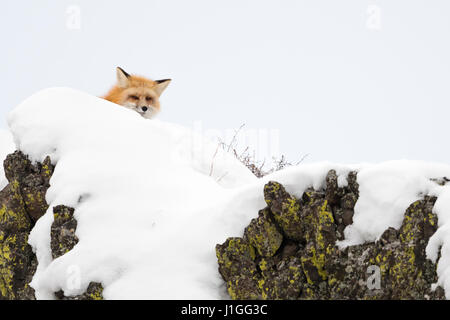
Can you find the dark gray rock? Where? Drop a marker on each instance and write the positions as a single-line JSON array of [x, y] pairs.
[[308, 264], [22, 203]]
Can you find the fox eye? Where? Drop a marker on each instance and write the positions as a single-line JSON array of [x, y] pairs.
[[134, 97], [149, 99]]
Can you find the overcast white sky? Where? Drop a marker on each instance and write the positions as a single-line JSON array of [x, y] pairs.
[[346, 81]]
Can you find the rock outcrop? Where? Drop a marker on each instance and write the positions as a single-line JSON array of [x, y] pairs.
[[289, 251], [62, 240], [22, 203]]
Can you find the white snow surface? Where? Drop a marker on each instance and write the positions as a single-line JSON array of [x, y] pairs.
[[152, 199], [6, 147]]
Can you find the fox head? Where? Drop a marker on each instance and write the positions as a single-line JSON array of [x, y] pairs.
[[138, 93]]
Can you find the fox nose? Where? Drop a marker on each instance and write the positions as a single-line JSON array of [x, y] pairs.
[[144, 109]]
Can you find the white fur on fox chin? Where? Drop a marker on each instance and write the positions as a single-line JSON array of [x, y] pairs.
[[149, 114]]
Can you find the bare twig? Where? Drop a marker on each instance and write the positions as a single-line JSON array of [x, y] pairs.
[[233, 141], [249, 158], [212, 161]]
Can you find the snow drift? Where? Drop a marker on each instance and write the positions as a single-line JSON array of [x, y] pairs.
[[131, 181], [152, 199]]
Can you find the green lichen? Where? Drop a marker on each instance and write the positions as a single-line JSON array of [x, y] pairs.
[[13, 212], [237, 246], [316, 259], [11, 249], [97, 294], [47, 170], [230, 288], [6, 272], [295, 274], [382, 260], [289, 218], [62, 215], [407, 234], [308, 293], [332, 281], [271, 190], [319, 250], [403, 269], [263, 265], [240, 288], [264, 235], [325, 219]]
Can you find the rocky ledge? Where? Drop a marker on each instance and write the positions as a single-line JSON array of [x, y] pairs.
[[22, 203], [289, 251]]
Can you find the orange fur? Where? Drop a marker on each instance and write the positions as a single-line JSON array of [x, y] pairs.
[[137, 93]]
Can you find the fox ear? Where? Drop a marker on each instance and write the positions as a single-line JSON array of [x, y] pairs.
[[161, 85], [122, 78]]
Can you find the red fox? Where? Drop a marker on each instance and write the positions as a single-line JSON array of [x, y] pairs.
[[137, 93]]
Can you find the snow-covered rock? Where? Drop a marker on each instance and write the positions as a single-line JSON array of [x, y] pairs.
[[152, 199], [131, 181], [289, 251]]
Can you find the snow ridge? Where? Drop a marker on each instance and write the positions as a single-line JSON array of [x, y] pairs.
[[150, 212]]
